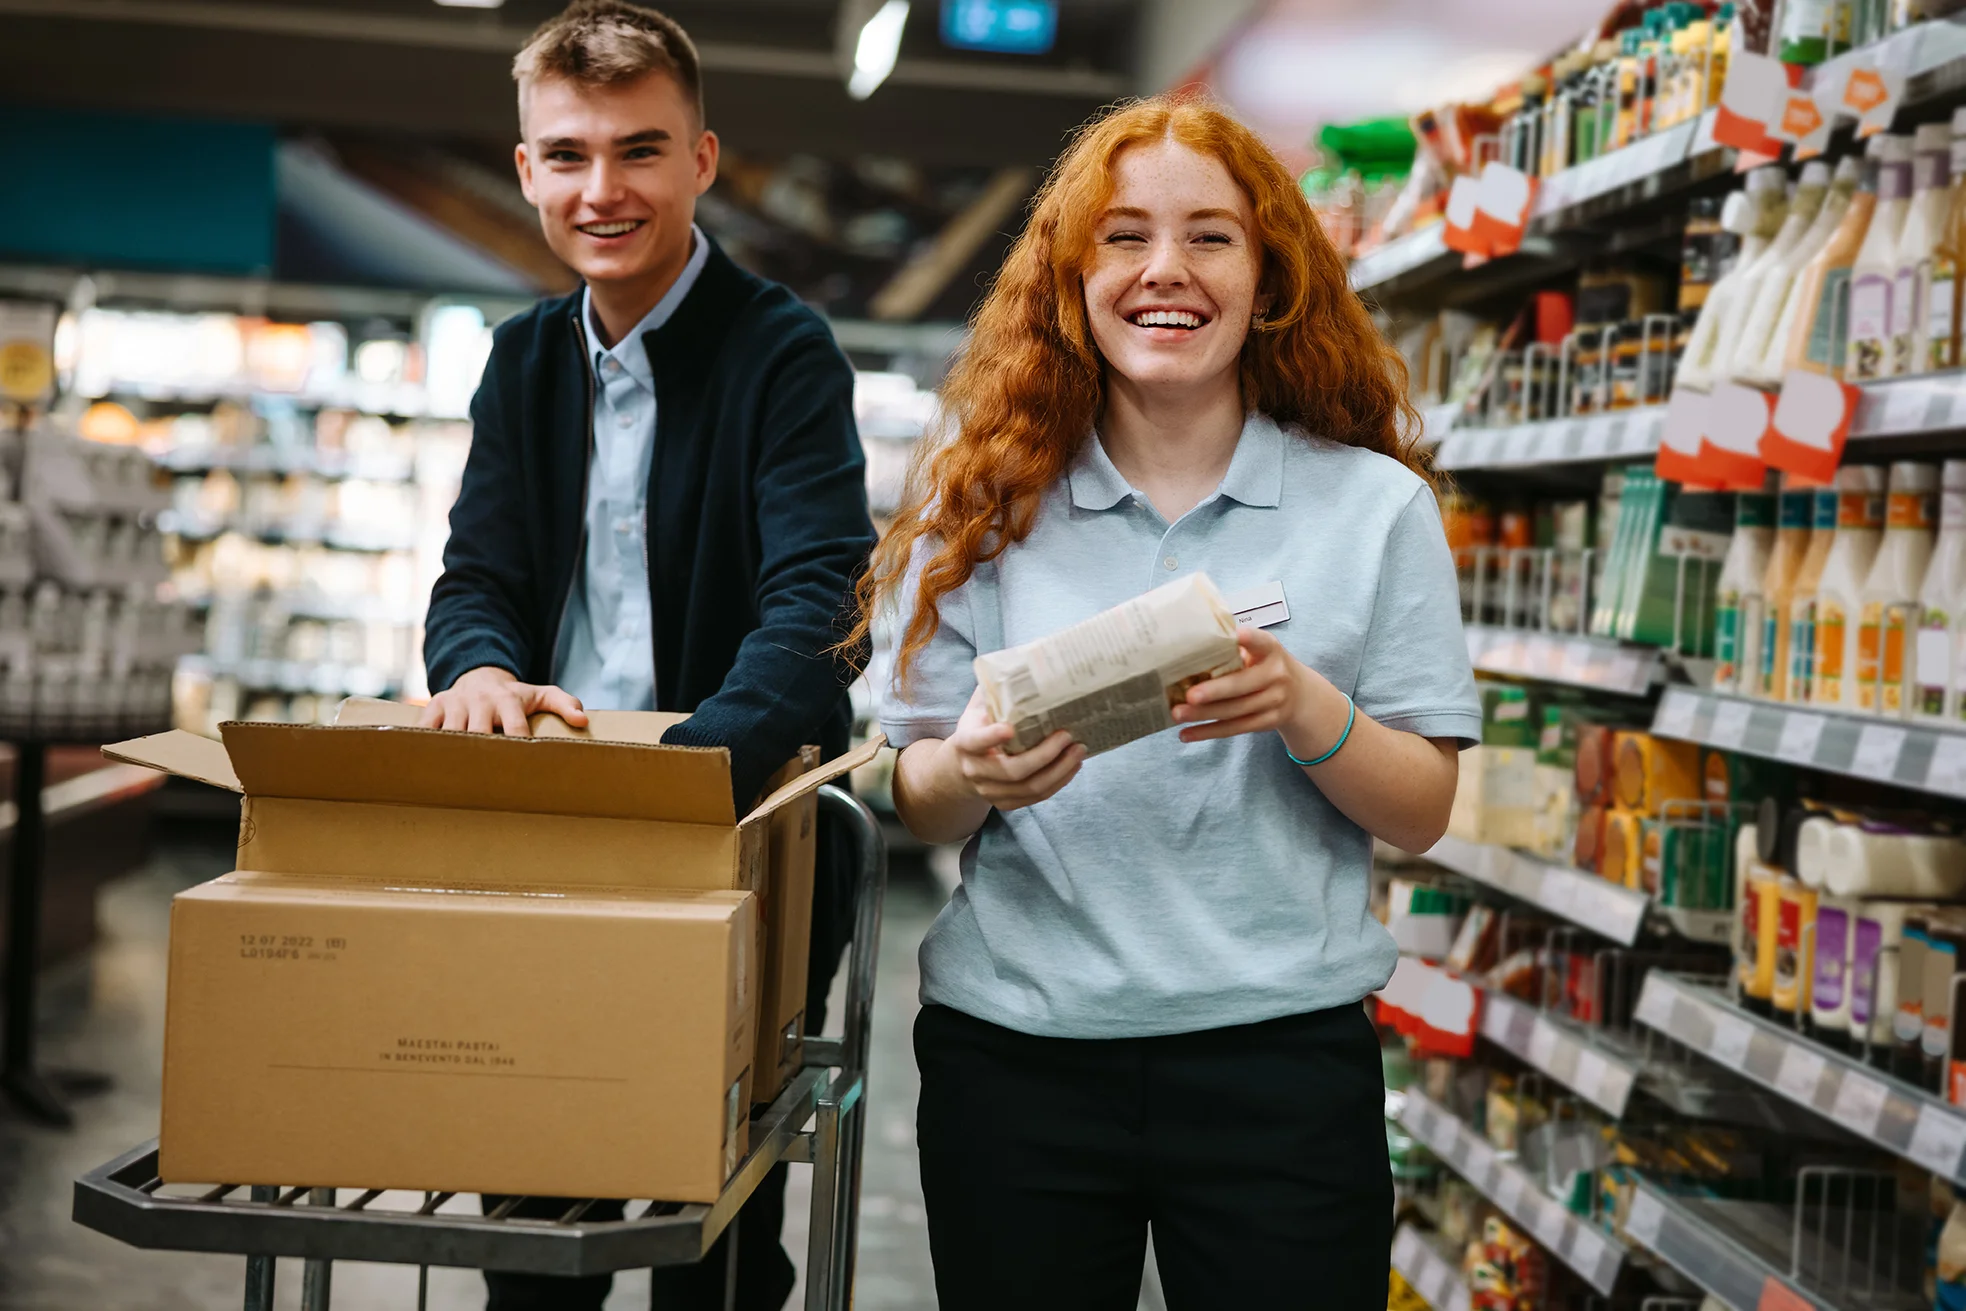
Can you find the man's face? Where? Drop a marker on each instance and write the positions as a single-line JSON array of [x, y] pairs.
[[614, 172]]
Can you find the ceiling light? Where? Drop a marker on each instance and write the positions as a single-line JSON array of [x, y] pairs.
[[875, 52]]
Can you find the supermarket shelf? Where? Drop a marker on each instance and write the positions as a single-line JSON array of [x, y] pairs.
[[1928, 757], [1603, 907], [296, 677], [1593, 662], [1739, 1252], [281, 460], [1432, 1275], [294, 534], [1417, 250], [1874, 1106], [1619, 435], [358, 609], [1594, 1071], [1579, 1244]]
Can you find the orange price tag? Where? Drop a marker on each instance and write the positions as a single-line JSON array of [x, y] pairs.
[[1865, 90], [1778, 1296], [1811, 422], [1800, 117]]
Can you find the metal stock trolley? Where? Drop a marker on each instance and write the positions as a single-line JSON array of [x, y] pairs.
[[820, 1119]]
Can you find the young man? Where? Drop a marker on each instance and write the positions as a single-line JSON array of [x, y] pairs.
[[664, 506]]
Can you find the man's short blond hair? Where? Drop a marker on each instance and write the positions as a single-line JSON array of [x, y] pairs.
[[606, 43]]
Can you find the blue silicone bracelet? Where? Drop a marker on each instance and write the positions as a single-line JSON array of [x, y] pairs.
[[1351, 713]]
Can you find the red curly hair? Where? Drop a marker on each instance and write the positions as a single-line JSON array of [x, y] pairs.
[[1030, 385]]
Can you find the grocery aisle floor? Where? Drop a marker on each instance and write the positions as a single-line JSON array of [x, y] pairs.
[[106, 1014]]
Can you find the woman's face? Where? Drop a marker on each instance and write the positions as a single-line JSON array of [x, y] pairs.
[[1173, 277]]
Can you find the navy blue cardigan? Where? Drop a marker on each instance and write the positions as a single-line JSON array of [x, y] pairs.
[[757, 516]]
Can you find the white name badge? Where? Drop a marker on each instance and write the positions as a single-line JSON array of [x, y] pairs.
[[1260, 606]]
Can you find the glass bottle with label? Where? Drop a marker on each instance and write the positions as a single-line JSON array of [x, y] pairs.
[[1799, 614], [1939, 658], [1764, 334], [1873, 274], [1813, 342], [1766, 610], [1926, 219], [1890, 595], [1948, 252], [1741, 574], [1839, 596]]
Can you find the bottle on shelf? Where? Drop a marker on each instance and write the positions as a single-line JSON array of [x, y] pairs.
[[1916, 259], [1800, 612], [1942, 300], [1812, 29], [1892, 586], [1839, 595], [1939, 657], [1767, 610], [1758, 213], [1764, 335], [1874, 274], [1737, 643], [1733, 315], [1823, 285]]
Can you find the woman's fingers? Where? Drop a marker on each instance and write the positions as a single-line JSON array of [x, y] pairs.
[[1260, 723], [999, 767], [1269, 698], [1204, 699], [1044, 783]]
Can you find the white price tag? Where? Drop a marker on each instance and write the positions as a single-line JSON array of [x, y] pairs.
[[1542, 1044], [1591, 1069], [1731, 1036], [1439, 1280], [1558, 889], [1877, 751], [1730, 725], [1617, 435], [1628, 673], [1800, 735], [1947, 772], [1576, 664], [1481, 1161], [1597, 438], [1801, 1070], [1545, 442], [1938, 1141], [1676, 711], [1643, 1220], [1655, 1002], [1508, 1189], [1859, 1103], [1551, 1222], [1903, 409], [1586, 1249], [1514, 444], [1648, 430], [1406, 1251]]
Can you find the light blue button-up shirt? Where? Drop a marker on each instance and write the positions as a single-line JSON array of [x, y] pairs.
[[606, 650], [1177, 886]]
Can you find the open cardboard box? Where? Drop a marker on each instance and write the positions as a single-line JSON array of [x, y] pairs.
[[473, 963]]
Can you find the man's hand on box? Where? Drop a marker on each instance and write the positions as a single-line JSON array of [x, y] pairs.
[[1005, 781], [1273, 690], [490, 698]]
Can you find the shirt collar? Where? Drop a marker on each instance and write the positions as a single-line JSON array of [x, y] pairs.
[[1255, 475], [630, 352]]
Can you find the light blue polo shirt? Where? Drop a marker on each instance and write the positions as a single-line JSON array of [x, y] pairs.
[[1175, 886]]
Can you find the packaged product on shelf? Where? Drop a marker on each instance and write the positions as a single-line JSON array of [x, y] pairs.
[[1938, 658], [1873, 275], [1769, 611], [1423, 918], [1945, 934], [1908, 1019], [1795, 937], [1940, 332], [1822, 638], [1495, 797], [1829, 1002], [1760, 916], [1804, 204], [1809, 338], [1879, 859], [1622, 859], [1651, 771], [1757, 355], [1949, 1262], [1892, 586], [1737, 638], [1812, 28], [1876, 964], [1117, 676], [1917, 245]]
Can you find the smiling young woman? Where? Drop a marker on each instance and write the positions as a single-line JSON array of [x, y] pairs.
[[1141, 1007]]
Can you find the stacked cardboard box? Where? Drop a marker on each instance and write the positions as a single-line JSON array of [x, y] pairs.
[[560, 966]]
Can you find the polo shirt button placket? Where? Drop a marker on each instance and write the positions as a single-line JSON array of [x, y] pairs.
[[1171, 562]]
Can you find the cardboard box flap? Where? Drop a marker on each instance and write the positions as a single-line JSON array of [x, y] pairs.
[[813, 779], [644, 727], [178, 752], [474, 771]]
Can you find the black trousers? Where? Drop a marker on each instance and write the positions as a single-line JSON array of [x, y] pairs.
[[1256, 1154], [765, 1274]]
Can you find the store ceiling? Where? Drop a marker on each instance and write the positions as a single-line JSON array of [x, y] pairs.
[[413, 66]]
